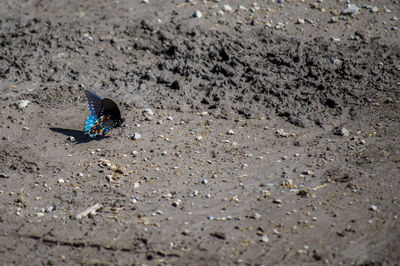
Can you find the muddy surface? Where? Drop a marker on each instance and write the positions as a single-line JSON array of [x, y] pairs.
[[266, 133]]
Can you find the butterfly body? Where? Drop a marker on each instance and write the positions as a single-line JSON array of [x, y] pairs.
[[104, 115]]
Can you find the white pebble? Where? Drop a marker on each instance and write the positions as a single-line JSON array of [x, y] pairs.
[[197, 14], [373, 208], [265, 239], [136, 136], [227, 8], [344, 132], [60, 181], [23, 103]]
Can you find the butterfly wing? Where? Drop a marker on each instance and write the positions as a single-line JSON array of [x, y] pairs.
[[90, 122], [104, 115], [109, 107], [101, 126], [95, 103]]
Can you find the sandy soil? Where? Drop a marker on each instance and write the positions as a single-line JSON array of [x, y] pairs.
[[269, 133]]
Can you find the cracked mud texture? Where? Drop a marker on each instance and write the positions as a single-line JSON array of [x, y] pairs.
[[269, 141]]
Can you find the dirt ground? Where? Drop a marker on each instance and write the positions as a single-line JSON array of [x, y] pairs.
[[266, 133]]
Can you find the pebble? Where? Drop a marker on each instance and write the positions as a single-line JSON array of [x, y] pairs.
[[176, 203], [49, 208], [300, 21], [230, 132], [264, 239], [136, 136], [336, 62], [145, 1], [169, 118], [351, 10], [148, 111], [344, 132], [227, 8], [310, 21], [197, 14], [71, 138], [60, 181], [373, 208], [277, 201], [23, 103], [333, 20], [204, 181], [372, 9], [307, 172], [40, 214], [199, 138], [185, 232], [3, 175]]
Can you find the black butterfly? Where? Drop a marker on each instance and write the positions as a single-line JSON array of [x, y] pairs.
[[104, 115]]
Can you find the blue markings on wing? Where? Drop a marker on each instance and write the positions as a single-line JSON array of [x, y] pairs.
[[90, 122], [99, 126]]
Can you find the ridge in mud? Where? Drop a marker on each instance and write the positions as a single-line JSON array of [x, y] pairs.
[[171, 67]]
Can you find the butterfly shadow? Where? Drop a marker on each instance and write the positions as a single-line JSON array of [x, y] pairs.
[[79, 136]]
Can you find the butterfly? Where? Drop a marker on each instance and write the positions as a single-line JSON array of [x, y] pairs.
[[104, 115]]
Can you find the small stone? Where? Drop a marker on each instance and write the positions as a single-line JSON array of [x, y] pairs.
[[374, 9], [145, 1], [264, 239], [351, 10], [219, 235], [300, 21], [197, 14], [199, 138], [227, 8], [307, 172], [60, 181], [148, 111], [23, 103], [71, 138], [40, 214], [373, 208], [204, 181], [169, 118], [277, 201], [230, 132], [257, 216], [136, 136], [344, 132], [310, 21], [49, 208], [333, 20], [176, 203], [3, 175], [185, 232]]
